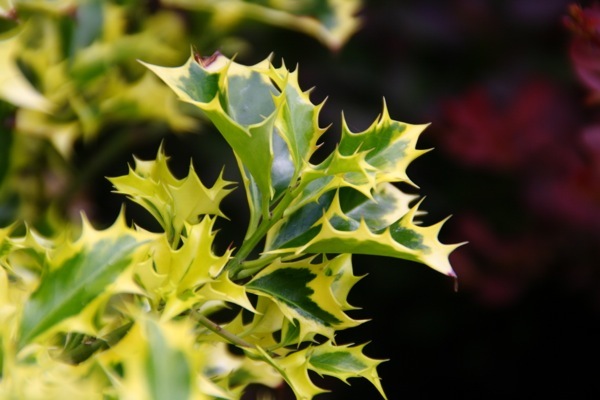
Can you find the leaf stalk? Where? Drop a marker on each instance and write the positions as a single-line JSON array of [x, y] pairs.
[[219, 330], [236, 265]]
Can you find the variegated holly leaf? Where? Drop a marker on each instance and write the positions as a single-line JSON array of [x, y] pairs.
[[173, 202], [224, 289], [344, 280], [293, 368], [331, 21], [37, 375], [14, 87], [272, 318], [325, 227], [6, 244], [279, 123], [25, 260], [79, 276], [174, 280], [340, 361], [389, 147], [298, 122], [384, 206], [157, 360], [303, 292], [220, 88], [364, 160]]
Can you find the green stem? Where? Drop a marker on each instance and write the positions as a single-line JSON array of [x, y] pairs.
[[235, 266], [249, 268], [80, 347], [219, 330], [175, 240]]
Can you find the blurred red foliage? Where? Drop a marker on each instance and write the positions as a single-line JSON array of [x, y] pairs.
[[517, 131], [584, 23], [535, 135]]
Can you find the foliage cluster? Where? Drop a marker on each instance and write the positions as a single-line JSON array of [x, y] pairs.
[[128, 313]]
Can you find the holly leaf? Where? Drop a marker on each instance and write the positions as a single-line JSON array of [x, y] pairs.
[[174, 278], [293, 368], [344, 280], [14, 87], [332, 22], [342, 362], [78, 275], [173, 202], [270, 319], [364, 160], [223, 289], [6, 244], [219, 87], [303, 291], [382, 207], [334, 231], [158, 360], [389, 147], [298, 122], [168, 373]]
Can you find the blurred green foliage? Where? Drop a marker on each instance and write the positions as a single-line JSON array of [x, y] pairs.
[[71, 82]]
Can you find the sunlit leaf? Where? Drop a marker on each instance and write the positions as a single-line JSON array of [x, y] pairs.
[[77, 277], [173, 202], [343, 362], [303, 292], [174, 278], [336, 232], [293, 368], [168, 374], [220, 89], [157, 360], [14, 87], [332, 21]]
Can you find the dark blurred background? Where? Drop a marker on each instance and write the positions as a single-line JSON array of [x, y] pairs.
[[508, 87], [511, 92]]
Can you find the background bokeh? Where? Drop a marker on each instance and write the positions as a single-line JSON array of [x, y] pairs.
[[516, 161], [511, 92]]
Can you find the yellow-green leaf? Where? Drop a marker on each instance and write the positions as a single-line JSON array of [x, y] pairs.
[[343, 362], [331, 21], [220, 88], [336, 232], [14, 87], [78, 275], [168, 374], [294, 369], [303, 291], [173, 202], [174, 278], [158, 360]]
